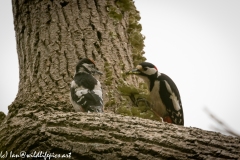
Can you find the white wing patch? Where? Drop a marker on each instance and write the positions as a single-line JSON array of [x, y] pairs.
[[79, 92], [175, 101]]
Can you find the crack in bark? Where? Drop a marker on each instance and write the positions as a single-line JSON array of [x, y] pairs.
[[96, 5], [64, 3]]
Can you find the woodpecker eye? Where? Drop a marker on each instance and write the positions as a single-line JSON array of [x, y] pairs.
[[145, 68]]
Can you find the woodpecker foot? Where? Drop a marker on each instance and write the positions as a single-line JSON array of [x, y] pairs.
[[140, 99]]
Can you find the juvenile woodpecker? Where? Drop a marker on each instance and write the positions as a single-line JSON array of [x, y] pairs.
[[85, 91], [164, 95]]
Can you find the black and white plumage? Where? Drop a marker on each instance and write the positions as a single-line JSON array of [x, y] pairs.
[[86, 91], [164, 94]]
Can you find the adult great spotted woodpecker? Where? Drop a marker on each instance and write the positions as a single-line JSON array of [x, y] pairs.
[[85, 91], [164, 95]]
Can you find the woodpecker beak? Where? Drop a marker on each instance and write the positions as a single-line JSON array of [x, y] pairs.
[[97, 71], [134, 71]]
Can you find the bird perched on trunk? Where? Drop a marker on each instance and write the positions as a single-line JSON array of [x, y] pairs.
[[86, 91], [164, 95]]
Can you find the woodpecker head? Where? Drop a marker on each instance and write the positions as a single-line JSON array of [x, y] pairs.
[[87, 65], [145, 69]]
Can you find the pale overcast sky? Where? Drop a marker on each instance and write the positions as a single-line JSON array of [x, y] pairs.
[[196, 43]]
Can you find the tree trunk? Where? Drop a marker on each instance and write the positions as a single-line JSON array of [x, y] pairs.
[[51, 36]]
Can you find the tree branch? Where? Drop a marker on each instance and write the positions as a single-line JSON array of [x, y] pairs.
[[111, 136]]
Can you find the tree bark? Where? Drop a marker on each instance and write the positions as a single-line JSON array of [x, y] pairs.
[[111, 136], [51, 36]]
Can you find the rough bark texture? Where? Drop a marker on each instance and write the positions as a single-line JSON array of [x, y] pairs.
[[110, 136], [51, 36]]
